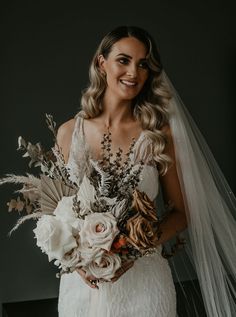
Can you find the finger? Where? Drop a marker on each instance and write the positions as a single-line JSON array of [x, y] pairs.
[[91, 281], [87, 279], [128, 264], [125, 267], [81, 272], [91, 277], [114, 279], [118, 274], [90, 284]]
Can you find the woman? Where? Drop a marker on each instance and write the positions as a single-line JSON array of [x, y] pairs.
[[130, 96]]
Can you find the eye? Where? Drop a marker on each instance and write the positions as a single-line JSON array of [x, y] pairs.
[[144, 65], [123, 60]]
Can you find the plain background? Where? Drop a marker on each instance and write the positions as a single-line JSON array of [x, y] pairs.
[[46, 48]]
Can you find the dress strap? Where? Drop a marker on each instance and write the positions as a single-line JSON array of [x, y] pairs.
[[78, 124], [74, 148], [77, 160]]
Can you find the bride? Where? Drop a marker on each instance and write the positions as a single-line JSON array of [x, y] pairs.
[[130, 96]]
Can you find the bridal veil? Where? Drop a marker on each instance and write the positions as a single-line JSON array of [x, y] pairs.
[[210, 206]]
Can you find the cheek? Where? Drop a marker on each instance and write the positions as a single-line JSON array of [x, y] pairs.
[[114, 72]]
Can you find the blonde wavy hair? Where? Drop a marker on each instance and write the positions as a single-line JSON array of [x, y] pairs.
[[150, 107]]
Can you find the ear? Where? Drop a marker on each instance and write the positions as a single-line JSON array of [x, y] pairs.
[[101, 62]]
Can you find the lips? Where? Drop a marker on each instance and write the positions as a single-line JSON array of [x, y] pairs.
[[129, 83]]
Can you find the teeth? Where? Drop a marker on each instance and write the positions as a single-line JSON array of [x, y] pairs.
[[128, 83]]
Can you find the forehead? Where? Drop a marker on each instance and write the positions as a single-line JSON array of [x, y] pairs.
[[129, 46]]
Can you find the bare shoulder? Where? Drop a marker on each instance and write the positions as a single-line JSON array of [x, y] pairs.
[[66, 128], [64, 136]]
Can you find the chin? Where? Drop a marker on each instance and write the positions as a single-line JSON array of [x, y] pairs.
[[129, 96]]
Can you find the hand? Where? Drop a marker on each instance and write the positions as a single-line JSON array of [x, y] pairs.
[[88, 278], [124, 267]]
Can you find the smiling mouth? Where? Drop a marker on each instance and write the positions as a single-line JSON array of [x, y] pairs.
[[128, 83]]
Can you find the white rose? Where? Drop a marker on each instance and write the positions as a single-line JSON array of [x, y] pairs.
[[89, 254], [70, 260], [54, 237], [64, 212], [99, 230], [105, 268]]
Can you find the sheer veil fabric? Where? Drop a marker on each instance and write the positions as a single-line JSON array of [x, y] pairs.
[[211, 212]]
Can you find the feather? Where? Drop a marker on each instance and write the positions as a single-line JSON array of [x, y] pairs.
[[105, 181], [120, 208], [37, 214], [19, 179]]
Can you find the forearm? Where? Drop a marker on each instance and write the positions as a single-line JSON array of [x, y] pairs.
[[174, 223]]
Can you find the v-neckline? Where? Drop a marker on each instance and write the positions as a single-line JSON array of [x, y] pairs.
[[90, 151]]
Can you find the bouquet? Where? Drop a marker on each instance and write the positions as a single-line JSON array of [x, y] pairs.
[[94, 225]]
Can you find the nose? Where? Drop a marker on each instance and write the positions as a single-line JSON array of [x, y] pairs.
[[132, 70]]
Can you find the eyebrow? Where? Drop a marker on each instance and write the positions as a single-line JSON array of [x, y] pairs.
[[123, 54]]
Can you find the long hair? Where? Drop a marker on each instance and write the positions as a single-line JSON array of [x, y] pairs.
[[151, 104]]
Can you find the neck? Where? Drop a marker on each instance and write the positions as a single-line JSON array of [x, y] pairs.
[[116, 111]]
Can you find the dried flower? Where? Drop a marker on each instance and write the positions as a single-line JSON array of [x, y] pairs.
[[16, 204], [119, 245], [141, 233], [144, 205]]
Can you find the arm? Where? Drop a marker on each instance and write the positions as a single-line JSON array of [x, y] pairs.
[[176, 220]]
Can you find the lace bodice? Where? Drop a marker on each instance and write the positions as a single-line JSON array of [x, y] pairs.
[[80, 153]]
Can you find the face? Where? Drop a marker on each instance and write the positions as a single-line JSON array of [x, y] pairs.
[[126, 68]]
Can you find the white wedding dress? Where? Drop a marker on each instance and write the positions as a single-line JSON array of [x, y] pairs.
[[145, 290]]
